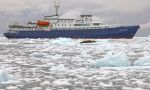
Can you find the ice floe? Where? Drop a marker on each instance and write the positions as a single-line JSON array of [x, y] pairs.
[[39, 55], [60, 67], [143, 61], [113, 60], [63, 41], [61, 82], [12, 88]]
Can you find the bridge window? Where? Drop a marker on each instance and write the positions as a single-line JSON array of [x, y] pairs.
[[96, 24]]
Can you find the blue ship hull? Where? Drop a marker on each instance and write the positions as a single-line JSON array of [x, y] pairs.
[[114, 33]]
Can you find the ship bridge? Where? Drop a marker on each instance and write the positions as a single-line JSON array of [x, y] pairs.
[[86, 18]]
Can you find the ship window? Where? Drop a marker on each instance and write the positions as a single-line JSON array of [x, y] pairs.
[[96, 24]]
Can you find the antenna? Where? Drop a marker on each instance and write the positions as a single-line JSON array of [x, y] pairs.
[[57, 6], [117, 17]]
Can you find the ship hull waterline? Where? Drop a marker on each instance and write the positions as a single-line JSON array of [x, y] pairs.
[[126, 32]]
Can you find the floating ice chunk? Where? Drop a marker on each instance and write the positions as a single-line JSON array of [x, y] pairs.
[[60, 67], [109, 47], [36, 88], [45, 83], [148, 38], [49, 64], [61, 82], [63, 41], [113, 60], [48, 89], [106, 85], [143, 61], [29, 41], [4, 76], [129, 88], [12, 88], [104, 41], [55, 57], [39, 55], [12, 81], [105, 46]]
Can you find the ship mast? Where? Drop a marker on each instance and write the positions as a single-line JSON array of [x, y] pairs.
[[57, 7]]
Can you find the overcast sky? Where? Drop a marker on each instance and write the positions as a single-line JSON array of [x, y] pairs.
[[129, 12]]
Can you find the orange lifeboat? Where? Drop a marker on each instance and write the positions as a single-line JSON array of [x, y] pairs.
[[43, 23]]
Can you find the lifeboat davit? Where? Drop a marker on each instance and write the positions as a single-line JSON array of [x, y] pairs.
[[43, 23]]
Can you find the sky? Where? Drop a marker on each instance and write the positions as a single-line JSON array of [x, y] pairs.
[[128, 12]]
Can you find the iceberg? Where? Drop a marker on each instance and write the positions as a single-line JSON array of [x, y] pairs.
[[113, 60], [143, 61], [4, 76]]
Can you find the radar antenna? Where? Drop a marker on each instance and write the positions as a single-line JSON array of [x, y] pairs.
[[57, 7]]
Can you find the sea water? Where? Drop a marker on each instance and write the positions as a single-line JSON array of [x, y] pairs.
[[67, 64]]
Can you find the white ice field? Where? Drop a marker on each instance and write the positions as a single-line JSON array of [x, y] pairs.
[[66, 64]]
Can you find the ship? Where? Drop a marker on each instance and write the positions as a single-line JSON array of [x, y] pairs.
[[82, 28]]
